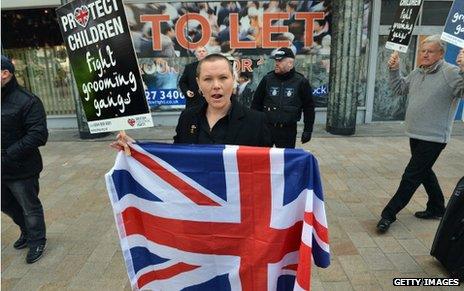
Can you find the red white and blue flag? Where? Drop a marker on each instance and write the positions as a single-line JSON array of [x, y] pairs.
[[212, 217]]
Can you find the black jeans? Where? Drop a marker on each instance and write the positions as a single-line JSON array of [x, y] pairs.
[[20, 201], [283, 135], [418, 171]]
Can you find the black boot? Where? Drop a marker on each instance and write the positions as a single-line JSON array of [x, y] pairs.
[[426, 214], [35, 253], [383, 225], [21, 243]]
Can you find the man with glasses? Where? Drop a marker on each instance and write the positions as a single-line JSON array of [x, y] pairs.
[[434, 90]]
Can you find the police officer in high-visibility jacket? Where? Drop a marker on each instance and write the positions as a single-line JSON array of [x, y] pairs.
[[282, 94]]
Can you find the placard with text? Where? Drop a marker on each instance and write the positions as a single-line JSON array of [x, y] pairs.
[[454, 27], [403, 25], [104, 64]]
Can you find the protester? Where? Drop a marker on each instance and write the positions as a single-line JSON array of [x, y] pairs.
[[24, 130], [433, 90], [221, 119], [282, 94], [187, 82]]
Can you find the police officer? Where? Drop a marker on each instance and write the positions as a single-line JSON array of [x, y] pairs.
[[282, 94]]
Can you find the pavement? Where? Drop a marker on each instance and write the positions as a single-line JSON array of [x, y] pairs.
[[360, 173]]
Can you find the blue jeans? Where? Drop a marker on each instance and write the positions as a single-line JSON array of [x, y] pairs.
[[20, 201]]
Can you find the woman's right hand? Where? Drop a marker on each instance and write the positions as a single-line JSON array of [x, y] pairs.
[[122, 142]]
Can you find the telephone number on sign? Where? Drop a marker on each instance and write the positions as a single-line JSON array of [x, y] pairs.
[[100, 123], [165, 97]]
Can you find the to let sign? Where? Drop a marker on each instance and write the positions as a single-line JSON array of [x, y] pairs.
[[104, 64], [454, 27], [403, 25]]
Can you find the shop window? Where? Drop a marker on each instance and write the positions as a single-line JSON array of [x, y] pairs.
[[435, 12], [30, 28], [45, 71], [162, 67], [389, 8], [387, 105], [31, 37]]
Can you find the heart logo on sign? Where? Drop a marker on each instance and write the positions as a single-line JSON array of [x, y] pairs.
[[131, 122], [81, 14]]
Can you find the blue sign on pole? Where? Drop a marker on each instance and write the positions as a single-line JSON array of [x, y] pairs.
[[450, 56], [454, 28]]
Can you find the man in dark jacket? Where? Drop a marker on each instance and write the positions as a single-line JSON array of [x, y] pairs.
[[24, 129], [282, 94], [188, 82], [244, 91]]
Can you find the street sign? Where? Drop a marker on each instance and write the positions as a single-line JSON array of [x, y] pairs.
[[104, 64]]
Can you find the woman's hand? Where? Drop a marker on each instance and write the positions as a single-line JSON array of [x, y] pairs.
[[122, 142]]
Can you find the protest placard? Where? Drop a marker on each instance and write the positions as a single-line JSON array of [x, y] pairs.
[[454, 27], [403, 25], [104, 64]]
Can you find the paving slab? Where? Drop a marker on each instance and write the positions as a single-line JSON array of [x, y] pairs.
[[360, 173]]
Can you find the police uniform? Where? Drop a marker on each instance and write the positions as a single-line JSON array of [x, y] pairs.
[[282, 97]]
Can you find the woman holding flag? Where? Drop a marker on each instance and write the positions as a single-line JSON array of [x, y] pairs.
[[221, 120]]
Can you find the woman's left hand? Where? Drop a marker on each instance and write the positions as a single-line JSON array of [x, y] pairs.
[[122, 142]]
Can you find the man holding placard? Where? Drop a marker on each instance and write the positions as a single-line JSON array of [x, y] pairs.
[[434, 89]]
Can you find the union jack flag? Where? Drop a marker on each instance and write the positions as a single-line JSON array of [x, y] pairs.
[[213, 217]]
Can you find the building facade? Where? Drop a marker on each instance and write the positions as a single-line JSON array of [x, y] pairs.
[[31, 36]]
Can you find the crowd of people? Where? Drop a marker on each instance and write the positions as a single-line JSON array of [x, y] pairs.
[[250, 25], [218, 16]]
